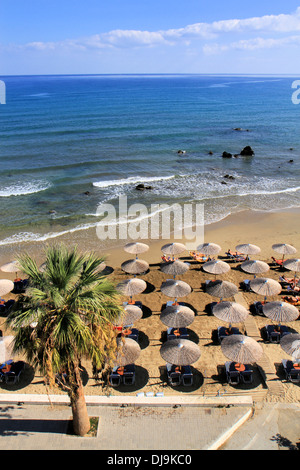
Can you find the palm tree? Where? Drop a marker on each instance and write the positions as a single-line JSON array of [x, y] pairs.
[[65, 315]]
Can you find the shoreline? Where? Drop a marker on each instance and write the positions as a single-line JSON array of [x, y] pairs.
[[227, 232], [260, 228]]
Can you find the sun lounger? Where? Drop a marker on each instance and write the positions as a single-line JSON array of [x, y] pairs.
[[6, 307], [277, 262], [292, 370], [200, 257], [174, 375], [223, 332], [176, 333], [246, 376], [167, 259], [115, 378], [294, 300], [129, 374], [258, 308], [20, 286], [13, 376], [236, 256], [275, 333], [233, 376], [187, 376], [285, 282]]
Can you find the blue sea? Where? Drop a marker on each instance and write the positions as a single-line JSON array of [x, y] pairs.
[[70, 143]]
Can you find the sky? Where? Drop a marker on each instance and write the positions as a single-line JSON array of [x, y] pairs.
[[149, 36]]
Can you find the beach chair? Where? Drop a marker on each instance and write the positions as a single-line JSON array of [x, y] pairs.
[[187, 376], [292, 370], [13, 376], [223, 332], [277, 262], [294, 300], [233, 376], [174, 375], [129, 374], [176, 333], [236, 256], [246, 376], [258, 308], [245, 285], [134, 334], [115, 378], [275, 333]]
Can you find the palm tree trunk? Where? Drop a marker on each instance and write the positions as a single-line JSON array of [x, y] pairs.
[[81, 420]]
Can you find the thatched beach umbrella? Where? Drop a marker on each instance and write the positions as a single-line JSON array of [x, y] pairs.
[[132, 287], [241, 349], [265, 286], [180, 352], [174, 288], [131, 314], [128, 351], [11, 267], [280, 311], [6, 286], [136, 248], [221, 289], [292, 264], [248, 249], [177, 316], [135, 266], [291, 345], [216, 267], [174, 268], [255, 267], [209, 248], [284, 249], [173, 248], [230, 312], [6, 348]]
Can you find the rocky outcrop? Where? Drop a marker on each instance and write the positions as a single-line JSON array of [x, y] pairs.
[[142, 187], [247, 151]]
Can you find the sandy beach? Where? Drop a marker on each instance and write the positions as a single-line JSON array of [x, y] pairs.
[[260, 228]]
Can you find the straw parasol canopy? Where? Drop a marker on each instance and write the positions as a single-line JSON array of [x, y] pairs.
[[255, 267], [135, 266], [174, 268], [248, 249], [136, 248], [291, 344], [181, 352], [132, 286], [221, 289], [6, 286], [173, 248], [241, 349], [209, 248], [128, 351], [280, 311], [177, 316], [6, 348], [216, 267], [292, 264], [230, 312], [284, 249], [265, 286], [131, 314], [173, 288], [11, 267]]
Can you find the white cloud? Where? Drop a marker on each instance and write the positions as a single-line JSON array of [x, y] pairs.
[[283, 23], [252, 44]]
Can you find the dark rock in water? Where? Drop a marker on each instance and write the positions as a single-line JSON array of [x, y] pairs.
[[87, 193], [229, 177], [226, 155], [292, 148], [247, 151], [142, 187], [291, 161], [210, 153], [223, 182]]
